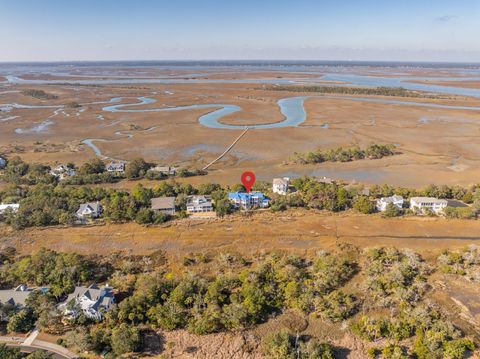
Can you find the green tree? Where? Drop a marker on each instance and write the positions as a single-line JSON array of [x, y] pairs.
[[144, 216], [9, 353], [21, 322], [223, 207], [363, 205], [279, 345], [39, 354], [79, 338], [94, 166], [392, 211], [125, 339], [136, 168]]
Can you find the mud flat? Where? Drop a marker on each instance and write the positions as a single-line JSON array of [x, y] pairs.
[[437, 137]]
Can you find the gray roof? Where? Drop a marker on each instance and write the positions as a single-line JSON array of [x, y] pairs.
[[391, 199], [95, 207], [93, 293], [199, 201], [15, 296], [163, 203], [115, 166], [429, 200]]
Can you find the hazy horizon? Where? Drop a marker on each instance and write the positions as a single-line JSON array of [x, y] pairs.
[[407, 31]]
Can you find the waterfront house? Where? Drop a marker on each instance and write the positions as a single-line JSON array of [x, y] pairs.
[[383, 202], [89, 210], [280, 185], [92, 301], [248, 200], [164, 204], [200, 205], [5, 207], [61, 172], [422, 204], [165, 170], [115, 167]]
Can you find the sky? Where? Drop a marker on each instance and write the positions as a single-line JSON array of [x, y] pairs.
[[382, 30]]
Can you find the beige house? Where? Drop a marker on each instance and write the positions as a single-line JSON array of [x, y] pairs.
[[164, 204], [165, 170]]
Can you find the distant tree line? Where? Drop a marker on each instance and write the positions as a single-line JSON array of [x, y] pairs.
[[340, 154], [40, 94], [341, 90]]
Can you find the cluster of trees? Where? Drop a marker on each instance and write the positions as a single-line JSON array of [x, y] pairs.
[[116, 340], [424, 326], [91, 172], [61, 272], [284, 345], [14, 353], [465, 263], [374, 151], [53, 204], [395, 276], [241, 294], [397, 279], [40, 94], [19, 172], [237, 301], [376, 91]]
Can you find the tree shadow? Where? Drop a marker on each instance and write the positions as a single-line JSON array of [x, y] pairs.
[[153, 343]]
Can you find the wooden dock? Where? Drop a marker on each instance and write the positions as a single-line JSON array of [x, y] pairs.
[[227, 150]]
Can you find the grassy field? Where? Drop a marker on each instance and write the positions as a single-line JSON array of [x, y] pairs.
[[300, 231]]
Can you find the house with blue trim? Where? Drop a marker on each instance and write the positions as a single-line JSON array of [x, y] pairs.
[[248, 200]]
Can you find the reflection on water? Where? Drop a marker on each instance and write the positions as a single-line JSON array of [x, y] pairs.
[[41, 127]]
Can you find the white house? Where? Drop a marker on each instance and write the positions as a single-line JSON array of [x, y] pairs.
[[3, 162], [92, 301], [164, 204], [4, 207], [89, 211], [199, 204], [280, 185], [62, 171], [115, 167], [383, 202], [428, 203]]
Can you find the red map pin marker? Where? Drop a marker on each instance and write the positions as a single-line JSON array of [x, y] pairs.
[[248, 179]]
